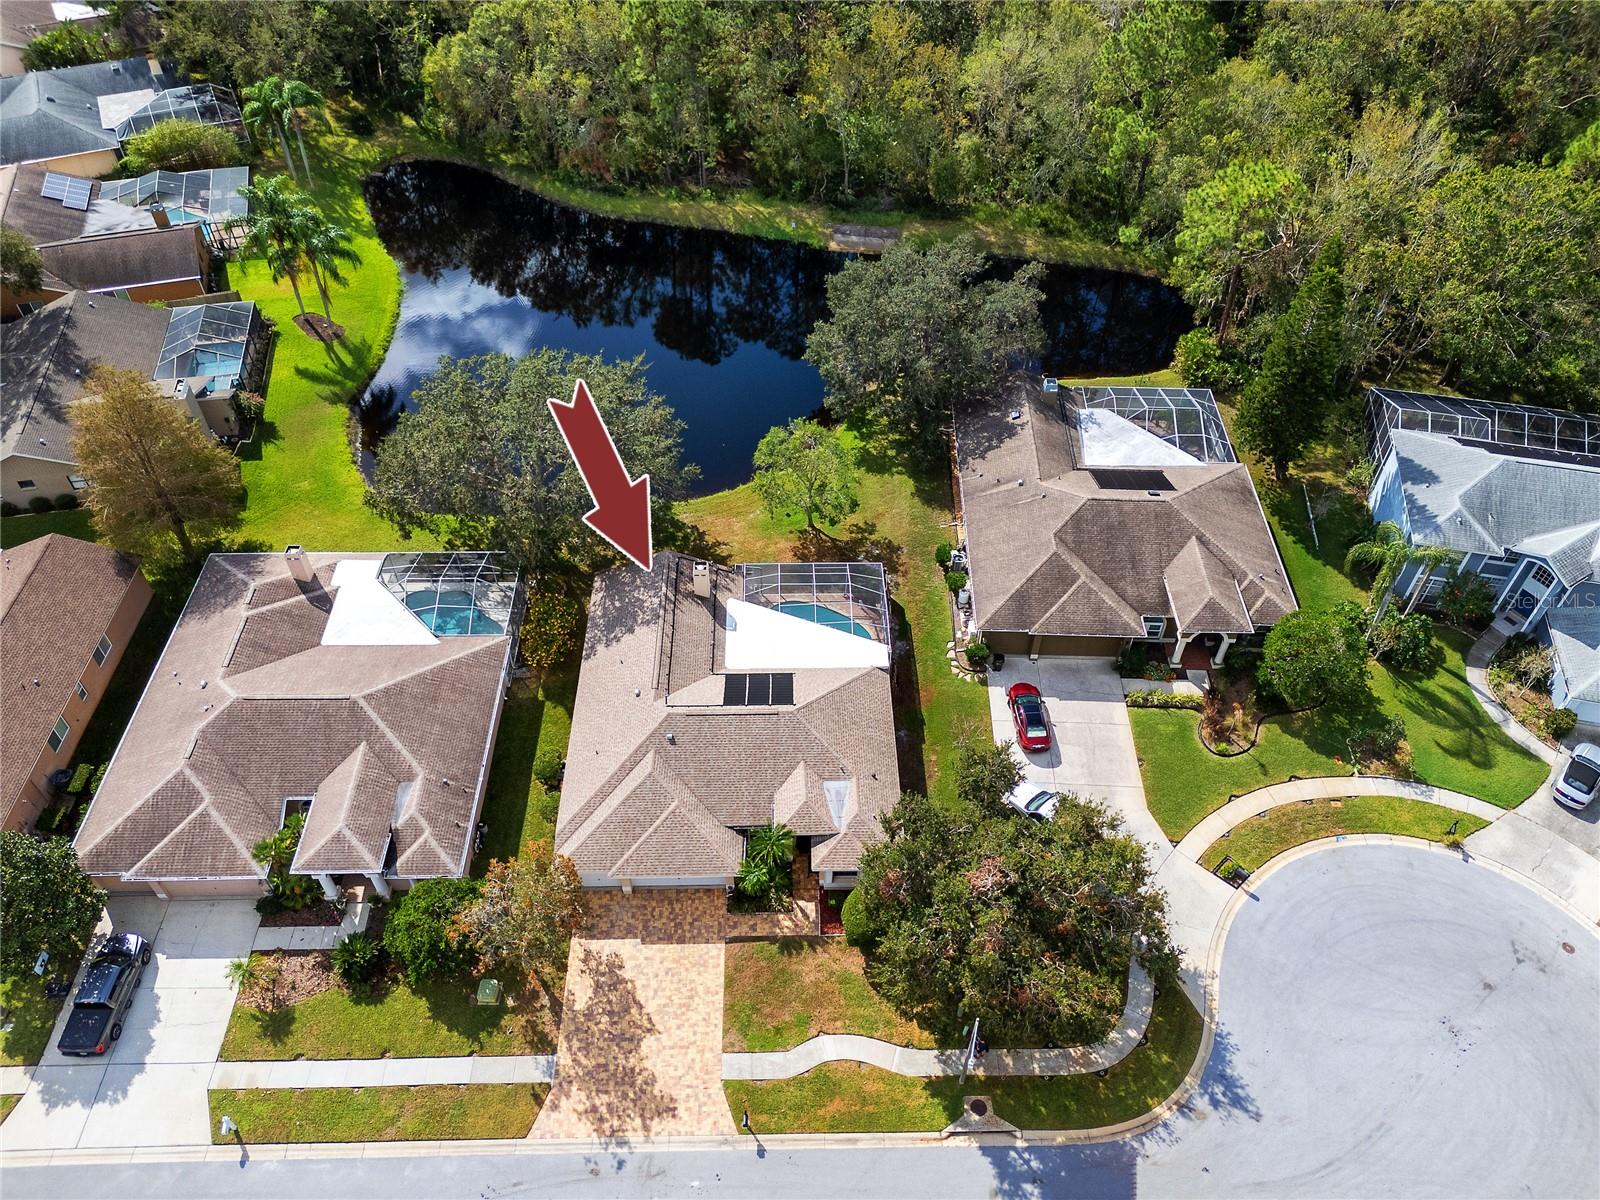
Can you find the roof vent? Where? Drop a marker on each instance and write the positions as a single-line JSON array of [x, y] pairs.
[[672, 739], [1016, 414], [701, 580]]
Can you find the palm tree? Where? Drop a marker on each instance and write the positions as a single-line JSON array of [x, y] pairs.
[[770, 845], [326, 247], [1388, 549], [266, 106], [297, 95], [275, 226]]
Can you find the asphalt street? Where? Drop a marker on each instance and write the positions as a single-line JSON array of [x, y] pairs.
[[1394, 1022]]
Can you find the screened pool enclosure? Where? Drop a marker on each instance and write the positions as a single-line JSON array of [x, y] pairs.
[[850, 597], [203, 103], [213, 347], [1186, 419], [460, 594]]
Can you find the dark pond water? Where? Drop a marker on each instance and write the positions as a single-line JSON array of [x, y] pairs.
[[721, 319]]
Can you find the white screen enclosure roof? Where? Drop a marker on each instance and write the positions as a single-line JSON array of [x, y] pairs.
[[1185, 418]]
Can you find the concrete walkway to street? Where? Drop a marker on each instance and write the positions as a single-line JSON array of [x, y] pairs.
[[1478, 656], [902, 1060], [1332, 787], [384, 1072]]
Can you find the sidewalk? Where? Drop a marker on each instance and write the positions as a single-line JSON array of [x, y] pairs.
[[384, 1072], [902, 1060]]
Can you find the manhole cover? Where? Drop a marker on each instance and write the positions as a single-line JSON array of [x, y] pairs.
[[1568, 947], [978, 1108]]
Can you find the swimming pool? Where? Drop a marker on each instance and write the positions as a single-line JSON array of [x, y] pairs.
[[452, 614], [821, 614]]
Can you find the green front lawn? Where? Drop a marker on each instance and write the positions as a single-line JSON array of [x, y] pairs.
[[32, 1018], [904, 514], [779, 994], [431, 1112], [1278, 829], [435, 1020], [1315, 562], [850, 1098]]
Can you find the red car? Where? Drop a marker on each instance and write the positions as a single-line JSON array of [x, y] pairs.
[[1028, 715]]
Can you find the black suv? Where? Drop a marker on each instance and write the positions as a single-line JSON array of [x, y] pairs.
[[104, 995]]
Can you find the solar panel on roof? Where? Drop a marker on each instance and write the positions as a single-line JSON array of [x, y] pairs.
[[743, 691], [77, 196], [55, 186], [1130, 479]]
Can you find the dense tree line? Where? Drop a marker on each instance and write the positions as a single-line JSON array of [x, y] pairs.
[[1450, 144], [1453, 145]]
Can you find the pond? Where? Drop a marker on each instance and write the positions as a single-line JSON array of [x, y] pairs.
[[721, 319]]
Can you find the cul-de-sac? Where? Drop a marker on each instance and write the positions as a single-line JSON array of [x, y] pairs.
[[800, 598]]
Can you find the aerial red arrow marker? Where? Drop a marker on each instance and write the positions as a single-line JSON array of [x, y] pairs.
[[621, 512]]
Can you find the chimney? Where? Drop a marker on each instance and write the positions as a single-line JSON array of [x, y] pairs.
[[702, 580], [299, 564], [159, 213]]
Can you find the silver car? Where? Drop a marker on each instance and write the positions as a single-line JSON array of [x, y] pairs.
[[1033, 800], [1581, 779]]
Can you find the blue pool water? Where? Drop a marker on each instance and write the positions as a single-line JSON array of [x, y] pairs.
[[821, 614], [452, 614]]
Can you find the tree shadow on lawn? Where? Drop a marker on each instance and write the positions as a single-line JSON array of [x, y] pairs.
[[347, 367], [881, 453], [1464, 730]]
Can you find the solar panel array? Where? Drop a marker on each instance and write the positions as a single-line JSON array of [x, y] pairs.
[[743, 691], [69, 189], [1131, 479]]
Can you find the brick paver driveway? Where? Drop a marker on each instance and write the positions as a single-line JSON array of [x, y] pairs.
[[640, 1050]]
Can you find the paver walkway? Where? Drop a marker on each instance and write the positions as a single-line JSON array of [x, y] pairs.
[[640, 1047], [902, 1060]]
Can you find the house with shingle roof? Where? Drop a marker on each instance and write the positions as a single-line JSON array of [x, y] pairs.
[[362, 690], [67, 118], [198, 354], [68, 609], [713, 700], [1513, 489], [1100, 517]]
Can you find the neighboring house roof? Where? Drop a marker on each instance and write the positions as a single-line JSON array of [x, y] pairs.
[[25, 208], [48, 355], [137, 258], [274, 689], [1575, 638], [21, 21], [1481, 502], [1062, 545], [52, 114], [57, 597], [662, 772]]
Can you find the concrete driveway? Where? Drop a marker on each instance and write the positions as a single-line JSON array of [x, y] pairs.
[[1394, 1021], [150, 1087], [1092, 750]]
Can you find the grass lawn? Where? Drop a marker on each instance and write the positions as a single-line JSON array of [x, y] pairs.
[[302, 484], [74, 522], [436, 1020], [7, 1103], [850, 1098], [270, 1116], [778, 994], [904, 514], [536, 720], [1183, 781], [1289, 825], [32, 1019]]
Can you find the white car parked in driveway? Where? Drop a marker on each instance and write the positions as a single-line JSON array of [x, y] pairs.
[[1033, 800], [1580, 780]]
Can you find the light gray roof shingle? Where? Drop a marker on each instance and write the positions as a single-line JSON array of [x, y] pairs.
[[292, 717], [51, 114], [1053, 552], [1479, 502], [48, 355], [656, 785]]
